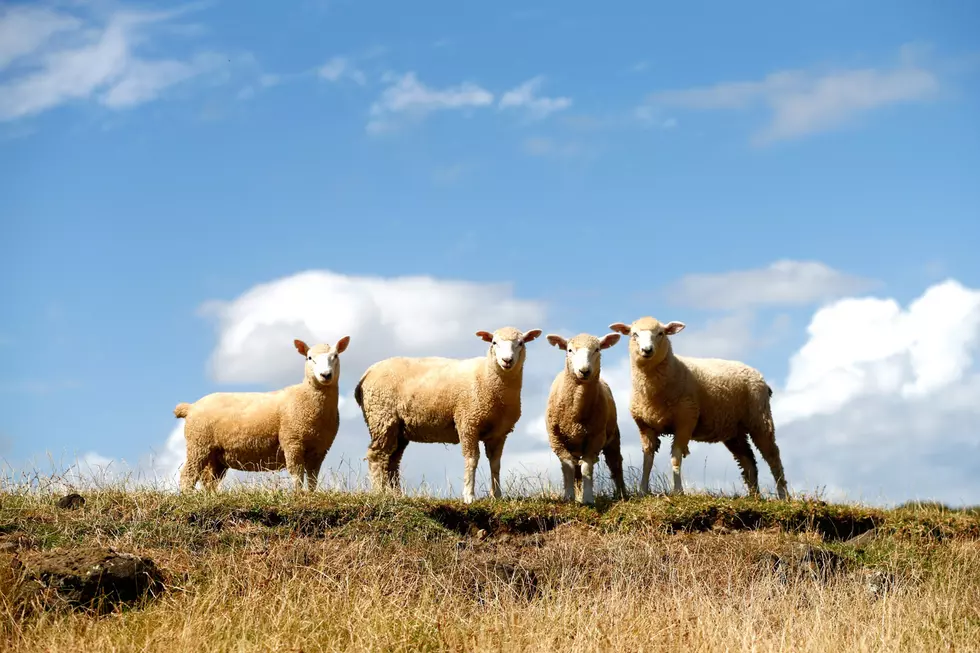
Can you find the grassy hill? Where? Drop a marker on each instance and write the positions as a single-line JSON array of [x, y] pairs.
[[268, 570]]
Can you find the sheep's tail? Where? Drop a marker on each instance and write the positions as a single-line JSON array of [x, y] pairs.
[[359, 393], [182, 409]]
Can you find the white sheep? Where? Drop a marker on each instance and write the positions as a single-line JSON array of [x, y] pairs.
[[700, 399], [447, 400], [291, 428], [581, 415]]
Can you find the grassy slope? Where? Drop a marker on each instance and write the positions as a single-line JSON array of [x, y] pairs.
[[271, 570]]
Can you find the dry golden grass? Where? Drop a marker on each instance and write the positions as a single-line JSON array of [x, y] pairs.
[[267, 571]]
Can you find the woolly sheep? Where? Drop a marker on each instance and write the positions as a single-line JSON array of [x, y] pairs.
[[291, 428], [700, 399], [447, 400], [581, 415]]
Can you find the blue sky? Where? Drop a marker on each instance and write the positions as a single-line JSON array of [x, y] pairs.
[[746, 170]]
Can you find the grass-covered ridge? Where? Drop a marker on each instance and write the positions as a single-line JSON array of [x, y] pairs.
[[259, 569]]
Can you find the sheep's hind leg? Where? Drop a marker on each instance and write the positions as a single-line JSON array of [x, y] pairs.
[[764, 438], [384, 442], [742, 451], [393, 468], [614, 461], [312, 466], [678, 450], [193, 469]]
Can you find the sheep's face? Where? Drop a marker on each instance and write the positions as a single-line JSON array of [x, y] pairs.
[[507, 346], [582, 353], [648, 337], [322, 361]]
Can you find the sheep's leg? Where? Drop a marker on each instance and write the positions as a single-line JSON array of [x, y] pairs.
[[650, 441], [393, 469], [587, 465], [311, 465], [678, 450], [494, 450], [742, 451], [294, 465], [471, 456], [765, 440], [194, 466], [384, 441], [213, 472], [568, 478], [614, 461]]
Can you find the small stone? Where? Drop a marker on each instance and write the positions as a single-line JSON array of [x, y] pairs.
[[71, 501]]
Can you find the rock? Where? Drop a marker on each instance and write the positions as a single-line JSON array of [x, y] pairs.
[[806, 560], [71, 501], [90, 578]]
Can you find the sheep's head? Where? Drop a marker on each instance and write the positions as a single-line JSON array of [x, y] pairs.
[[648, 338], [507, 346], [583, 352], [322, 361]]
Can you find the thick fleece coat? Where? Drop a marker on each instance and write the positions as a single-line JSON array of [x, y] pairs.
[[292, 428], [447, 400], [581, 416], [701, 399]]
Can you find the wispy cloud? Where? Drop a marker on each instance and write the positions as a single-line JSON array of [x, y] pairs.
[[339, 68], [539, 146], [93, 57], [783, 283], [406, 95], [525, 97], [803, 103]]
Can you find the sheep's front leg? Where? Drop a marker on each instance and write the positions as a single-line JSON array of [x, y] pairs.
[[568, 476], [295, 467], [495, 450], [471, 458], [677, 452], [587, 465], [650, 441]]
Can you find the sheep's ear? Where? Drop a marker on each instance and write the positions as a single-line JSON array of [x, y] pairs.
[[486, 335], [301, 347], [609, 340], [619, 327], [557, 341], [342, 344], [531, 335], [674, 327]]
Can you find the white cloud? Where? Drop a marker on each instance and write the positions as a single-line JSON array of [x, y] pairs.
[[886, 400], [90, 59], [524, 97], [407, 95], [339, 68], [803, 103], [784, 282]]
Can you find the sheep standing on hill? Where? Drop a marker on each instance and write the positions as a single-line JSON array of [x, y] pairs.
[[448, 400], [581, 415], [701, 399], [291, 428]]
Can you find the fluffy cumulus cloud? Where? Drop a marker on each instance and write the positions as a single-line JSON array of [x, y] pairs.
[[50, 57], [803, 102], [884, 401]]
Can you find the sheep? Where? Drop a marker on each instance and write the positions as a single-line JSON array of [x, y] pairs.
[[447, 400], [291, 428], [581, 415], [700, 399]]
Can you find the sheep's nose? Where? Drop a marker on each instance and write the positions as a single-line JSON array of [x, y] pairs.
[[585, 373], [646, 351], [326, 376]]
